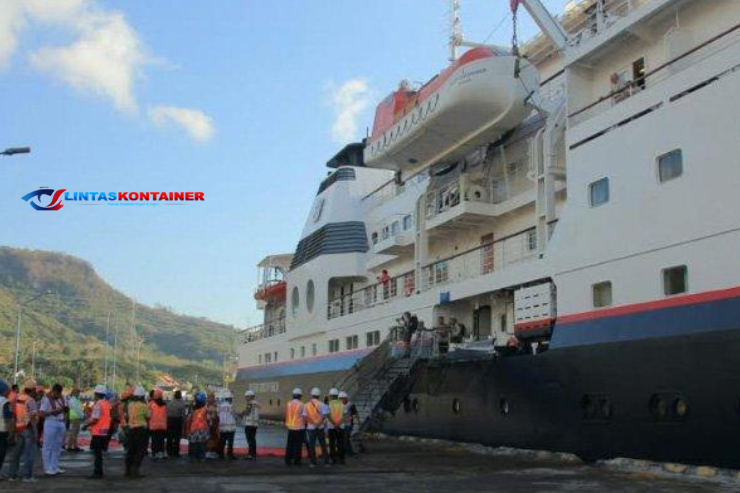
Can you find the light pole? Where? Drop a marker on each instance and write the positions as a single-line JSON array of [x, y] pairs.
[[33, 359], [12, 151], [18, 333], [138, 360]]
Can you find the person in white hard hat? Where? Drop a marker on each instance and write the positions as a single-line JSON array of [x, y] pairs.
[[99, 424], [296, 425], [315, 413], [350, 415], [250, 420], [335, 424], [226, 427]]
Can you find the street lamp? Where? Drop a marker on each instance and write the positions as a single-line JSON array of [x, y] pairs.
[[18, 332], [11, 151]]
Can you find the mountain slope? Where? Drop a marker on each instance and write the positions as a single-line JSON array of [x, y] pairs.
[[69, 309]]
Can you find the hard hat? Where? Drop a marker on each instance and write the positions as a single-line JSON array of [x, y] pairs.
[[343, 395], [101, 389], [334, 392], [315, 392], [249, 393], [157, 394], [29, 384], [200, 397], [139, 391], [297, 391]]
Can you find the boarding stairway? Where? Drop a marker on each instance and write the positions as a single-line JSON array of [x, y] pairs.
[[379, 382]]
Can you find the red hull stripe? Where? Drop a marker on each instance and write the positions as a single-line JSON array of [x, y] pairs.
[[672, 302], [534, 325]]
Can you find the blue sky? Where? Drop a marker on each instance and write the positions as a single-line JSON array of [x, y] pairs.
[[243, 100]]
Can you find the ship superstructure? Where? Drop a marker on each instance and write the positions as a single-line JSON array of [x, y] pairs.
[[563, 219]]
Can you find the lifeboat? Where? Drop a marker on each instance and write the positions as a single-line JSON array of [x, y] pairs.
[[272, 292], [471, 103]]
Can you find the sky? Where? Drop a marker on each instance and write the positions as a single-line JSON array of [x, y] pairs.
[[243, 100]]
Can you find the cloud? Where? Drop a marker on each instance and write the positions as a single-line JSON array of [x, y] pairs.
[[196, 123], [348, 100], [105, 59], [12, 22]]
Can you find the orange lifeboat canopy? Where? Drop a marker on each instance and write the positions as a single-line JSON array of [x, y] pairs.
[[273, 292]]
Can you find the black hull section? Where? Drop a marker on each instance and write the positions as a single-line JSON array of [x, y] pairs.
[[599, 401]]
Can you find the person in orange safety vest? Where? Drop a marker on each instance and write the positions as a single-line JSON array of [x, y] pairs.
[[295, 422], [99, 423], [158, 424]]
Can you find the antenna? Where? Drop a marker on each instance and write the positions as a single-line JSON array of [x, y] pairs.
[[456, 35]]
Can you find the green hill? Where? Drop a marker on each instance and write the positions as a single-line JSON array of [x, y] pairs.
[[73, 310]]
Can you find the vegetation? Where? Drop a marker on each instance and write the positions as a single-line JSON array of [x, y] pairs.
[[78, 322]]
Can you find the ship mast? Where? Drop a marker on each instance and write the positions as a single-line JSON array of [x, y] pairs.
[[456, 35]]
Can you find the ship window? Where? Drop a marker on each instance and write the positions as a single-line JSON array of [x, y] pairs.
[[352, 342], [374, 238], [531, 240], [292, 353], [407, 222], [386, 232], [395, 228], [294, 301], [274, 357], [268, 358], [303, 351], [670, 165], [309, 296], [675, 280], [334, 345], [259, 359], [602, 292], [599, 192], [372, 338], [314, 349]]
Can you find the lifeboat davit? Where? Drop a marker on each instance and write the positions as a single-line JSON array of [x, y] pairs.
[[275, 291], [471, 103]]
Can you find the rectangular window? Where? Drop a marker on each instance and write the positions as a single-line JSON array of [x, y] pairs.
[[675, 280], [395, 228], [352, 342], [385, 233], [334, 345], [639, 70], [259, 359], [407, 222], [670, 165], [374, 238], [598, 192], [372, 338], [268, 358], [602, 292], [532, 240], [314, 349], [274, 357], [292, 353], [303, 351]]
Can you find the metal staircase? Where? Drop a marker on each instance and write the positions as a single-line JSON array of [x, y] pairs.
[[379, 382]]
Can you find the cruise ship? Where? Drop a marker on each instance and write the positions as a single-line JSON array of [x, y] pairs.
[[558, 223]]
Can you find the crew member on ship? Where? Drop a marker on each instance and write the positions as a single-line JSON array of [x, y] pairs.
[[137, 417], [157, 424], [316, 412], [335, 425], [296, 425], [99, 424], [251, 419]]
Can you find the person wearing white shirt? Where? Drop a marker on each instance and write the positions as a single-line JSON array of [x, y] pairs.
[[52, 409]]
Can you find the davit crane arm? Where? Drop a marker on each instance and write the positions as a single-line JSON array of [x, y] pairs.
[[549, 24]]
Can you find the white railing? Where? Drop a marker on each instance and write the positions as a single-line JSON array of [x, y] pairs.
[[373, 295], [481, 260], [262, 331]]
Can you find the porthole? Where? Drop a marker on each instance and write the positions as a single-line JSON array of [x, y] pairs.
[[415, 406], [456, 408], [504, 407], [680, 408], [309, 296], [294, 301], [658, 407]]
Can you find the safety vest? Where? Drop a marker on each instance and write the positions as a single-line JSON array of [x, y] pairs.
[[158, 419], [336, 412], [102, 425], [22, 419], [199, 421], [313, 412], [75, 409], [136, 411], [293, 419]]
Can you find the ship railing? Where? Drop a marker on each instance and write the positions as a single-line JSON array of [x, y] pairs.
[[376, 294], [622, 90], [368, 367], [481, 260], [598, 15], [262, 331], [391, 189]]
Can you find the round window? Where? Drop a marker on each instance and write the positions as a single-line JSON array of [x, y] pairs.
[[294, 301], [309, 296]]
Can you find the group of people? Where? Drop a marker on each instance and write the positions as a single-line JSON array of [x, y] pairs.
[[315, 421], [146, 425]]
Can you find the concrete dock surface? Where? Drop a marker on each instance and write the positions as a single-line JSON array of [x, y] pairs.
[[387, 465]]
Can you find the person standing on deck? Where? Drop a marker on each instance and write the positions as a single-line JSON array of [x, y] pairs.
[[6, 423], [226, 427], [251, 419], [175, 423], [296, 425], [99, 424], [137, 418], [26, 419], [315, 412], [52, 410], [336, 427], [76, 415], [157, 424]]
